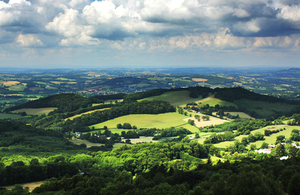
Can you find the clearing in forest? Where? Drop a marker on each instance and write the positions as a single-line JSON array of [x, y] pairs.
[[176, 98], [78, 115], [212, 101], [35, 111]]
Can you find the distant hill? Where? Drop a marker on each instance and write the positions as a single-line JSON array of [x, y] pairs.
[[64, 102], [256, 105]]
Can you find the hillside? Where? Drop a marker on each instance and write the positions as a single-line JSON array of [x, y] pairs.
[[64, 102]]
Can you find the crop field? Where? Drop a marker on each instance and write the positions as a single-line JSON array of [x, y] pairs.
[[35, 111], [212, 121], [176, 98], [11, 116], [78, 115], [214, 101], [10, 83], [146, 121], [199, 79]]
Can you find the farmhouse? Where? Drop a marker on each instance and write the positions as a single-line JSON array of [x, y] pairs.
[[264, 151]]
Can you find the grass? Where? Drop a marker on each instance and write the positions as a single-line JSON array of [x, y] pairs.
[[35, 111], [176, 98], [11, 116], [268, 139], [241, 114], [17, 87], [265, 109], [88, 144], [146, 121], [141, 139], [30, 185], [78, 115], [214, 101]]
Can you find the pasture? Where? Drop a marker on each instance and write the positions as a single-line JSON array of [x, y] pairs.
[[35, 111], [88, 144], [176, 98], [146, 121], [10, 116], [18, 87], [268, 139], [241, 115], [214, 101], [265, 109], [78, 115]]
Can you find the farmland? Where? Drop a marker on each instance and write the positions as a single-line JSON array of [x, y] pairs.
[[176, 98], [146, 121], [34, 111]]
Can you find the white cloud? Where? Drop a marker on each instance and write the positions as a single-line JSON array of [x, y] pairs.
[[29, 40], [66, 24]]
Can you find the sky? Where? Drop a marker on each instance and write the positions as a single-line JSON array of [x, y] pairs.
[[149, 33]]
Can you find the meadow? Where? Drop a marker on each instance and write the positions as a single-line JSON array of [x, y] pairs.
[[10, 116], [79, 115], [88, 144], [265, 109], [35, 111], [268, 139], [146, 121], [212, 101], [176, 98]]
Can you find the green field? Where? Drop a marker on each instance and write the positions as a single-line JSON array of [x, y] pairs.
[[146, 121], [268, 139], [35, 111], [78, 115], [265, 109], [88, 144], [11, 116], [176, 98], [214, 101], [19, 87]]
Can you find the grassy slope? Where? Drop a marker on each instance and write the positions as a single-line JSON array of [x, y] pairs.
[[176, 98], [214, 101], [11, 116], [78, 115], [35, 111], [146, 120], [268, 139], [264, 109]]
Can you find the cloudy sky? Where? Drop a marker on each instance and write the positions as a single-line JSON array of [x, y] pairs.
[[149, 33]]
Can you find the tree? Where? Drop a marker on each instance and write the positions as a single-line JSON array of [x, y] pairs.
[[127, 126], [119, 126], [128, 141], [280, 150], [197, 135], [264, 145], [280, 139], [191, 122]]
